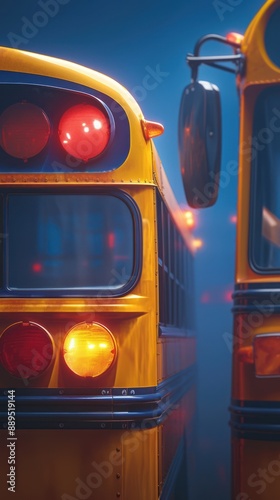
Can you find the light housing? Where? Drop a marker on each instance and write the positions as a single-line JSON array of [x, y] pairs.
[[26, 350], [24, 130], [235, 38], [89, 349], [267, 355], [151, 129], [84, 131]]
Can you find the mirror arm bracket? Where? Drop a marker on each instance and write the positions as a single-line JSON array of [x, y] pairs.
[[194, 60]]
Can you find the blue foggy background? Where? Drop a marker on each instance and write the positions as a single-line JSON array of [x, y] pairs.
[[126, 40]]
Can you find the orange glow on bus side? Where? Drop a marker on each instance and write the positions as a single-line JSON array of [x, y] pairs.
[[197, 243], [190, 219]]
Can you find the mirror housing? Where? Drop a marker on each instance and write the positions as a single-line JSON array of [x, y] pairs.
[[200, 143]]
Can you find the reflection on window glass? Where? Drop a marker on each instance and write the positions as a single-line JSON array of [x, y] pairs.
[[265, 245], [69, 241]]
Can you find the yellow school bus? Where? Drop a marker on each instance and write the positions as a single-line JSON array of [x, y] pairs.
[[255, 404], [97, 345]]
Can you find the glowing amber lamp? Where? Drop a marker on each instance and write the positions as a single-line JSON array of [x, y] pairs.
[[151, 129], [235, 38], [89, 349]]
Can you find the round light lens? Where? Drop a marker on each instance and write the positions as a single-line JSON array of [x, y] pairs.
[[26, 350], [84, 131], [24, 130], [89, 349]]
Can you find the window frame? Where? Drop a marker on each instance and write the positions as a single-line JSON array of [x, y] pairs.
[[255, 217], [175, 271], [93, 292]]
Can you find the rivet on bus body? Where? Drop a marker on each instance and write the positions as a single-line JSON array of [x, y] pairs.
[[118, 475], [118, 494], [118, 450]]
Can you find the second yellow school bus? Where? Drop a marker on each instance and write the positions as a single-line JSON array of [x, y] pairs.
[[97, 346], [255, 402]]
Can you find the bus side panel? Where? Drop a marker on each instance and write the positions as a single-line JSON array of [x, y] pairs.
[[255, 459], [61, 464], [260, 472], [177, 356], [177, 445], [140, 464], [70, 465]]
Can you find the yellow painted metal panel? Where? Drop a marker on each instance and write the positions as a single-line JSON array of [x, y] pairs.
[[256, 469], [260, 72], [62, 465], [140, 454], [137, 168], [259, 67]]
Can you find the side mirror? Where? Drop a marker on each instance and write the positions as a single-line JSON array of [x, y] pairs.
[[200, 143]]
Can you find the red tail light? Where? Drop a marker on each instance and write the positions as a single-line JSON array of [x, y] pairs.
[[24, 130], [84, 131], [26, 350]]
